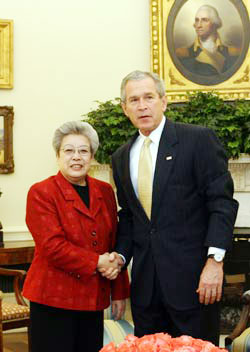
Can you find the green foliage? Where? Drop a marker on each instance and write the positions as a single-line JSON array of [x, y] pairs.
[[230, 121]]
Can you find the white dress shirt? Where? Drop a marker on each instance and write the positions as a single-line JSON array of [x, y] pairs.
[[135, 150]]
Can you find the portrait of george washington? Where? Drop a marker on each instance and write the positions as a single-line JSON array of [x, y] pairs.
[[208, 39]]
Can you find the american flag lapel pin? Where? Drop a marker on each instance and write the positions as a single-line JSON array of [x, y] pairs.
[[169, 157]]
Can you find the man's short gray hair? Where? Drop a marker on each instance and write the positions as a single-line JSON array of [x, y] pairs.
[[79, 128], [138, 76], [213, 15]]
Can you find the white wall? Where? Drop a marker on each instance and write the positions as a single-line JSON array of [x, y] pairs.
[[67, 54]]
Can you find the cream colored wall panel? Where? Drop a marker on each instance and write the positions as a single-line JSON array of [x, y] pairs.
[[67, 54]]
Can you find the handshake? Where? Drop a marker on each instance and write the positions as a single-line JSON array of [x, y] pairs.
[[109, 265]]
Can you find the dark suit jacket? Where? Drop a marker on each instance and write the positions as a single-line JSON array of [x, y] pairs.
[[192, 209]]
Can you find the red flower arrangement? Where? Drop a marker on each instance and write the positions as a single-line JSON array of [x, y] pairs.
[[161, 342]]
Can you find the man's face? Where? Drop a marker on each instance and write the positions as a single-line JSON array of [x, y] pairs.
[[203, 24], [144, 107]]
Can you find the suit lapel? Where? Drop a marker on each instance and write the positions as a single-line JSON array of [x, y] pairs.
[[70, 194], [124, 169], [165, 161], [95, 197]]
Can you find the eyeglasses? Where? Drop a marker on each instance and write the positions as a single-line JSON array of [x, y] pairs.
[[70, 150]]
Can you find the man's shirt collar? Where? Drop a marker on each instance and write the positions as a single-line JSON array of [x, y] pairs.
[[155, 135], [197, 44]]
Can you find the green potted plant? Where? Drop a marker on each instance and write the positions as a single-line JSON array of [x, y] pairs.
[[230, 121]]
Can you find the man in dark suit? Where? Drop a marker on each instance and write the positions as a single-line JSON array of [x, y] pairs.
[[178, 236]]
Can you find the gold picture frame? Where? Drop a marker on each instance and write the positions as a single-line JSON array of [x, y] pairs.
[[6, 139], [172, 34], [6, 54]]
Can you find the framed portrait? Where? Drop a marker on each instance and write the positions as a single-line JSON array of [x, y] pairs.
[[6, 139], [201, 45], [6, 53]]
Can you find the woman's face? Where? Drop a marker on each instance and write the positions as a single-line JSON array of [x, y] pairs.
[[74, 158]]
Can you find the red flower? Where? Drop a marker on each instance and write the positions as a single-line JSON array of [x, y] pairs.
[[110, 347], [161, 342]]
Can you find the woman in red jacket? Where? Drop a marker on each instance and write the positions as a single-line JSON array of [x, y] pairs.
[[72, 218]]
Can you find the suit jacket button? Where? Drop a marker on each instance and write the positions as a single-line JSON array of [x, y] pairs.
[[93, 233], [94, 243], [152, 231], [78, 276]]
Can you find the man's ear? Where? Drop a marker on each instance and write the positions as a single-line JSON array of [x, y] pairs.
[[164, 103], [124, 109]]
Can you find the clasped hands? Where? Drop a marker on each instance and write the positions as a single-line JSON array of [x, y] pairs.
[[109, 265]]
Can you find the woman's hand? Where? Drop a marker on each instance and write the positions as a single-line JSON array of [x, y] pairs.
[[108, 267]]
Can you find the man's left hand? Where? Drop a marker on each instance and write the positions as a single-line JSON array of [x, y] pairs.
[[118, 308], [211, 280]]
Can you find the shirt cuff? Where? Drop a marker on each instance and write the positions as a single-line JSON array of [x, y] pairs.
[[215, 250], [123, 258]]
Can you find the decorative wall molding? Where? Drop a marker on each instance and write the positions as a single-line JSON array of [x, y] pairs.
[[240, 171], [16, 233], [102, 172]]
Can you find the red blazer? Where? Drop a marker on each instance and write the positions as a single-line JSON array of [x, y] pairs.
[[69, 238]]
